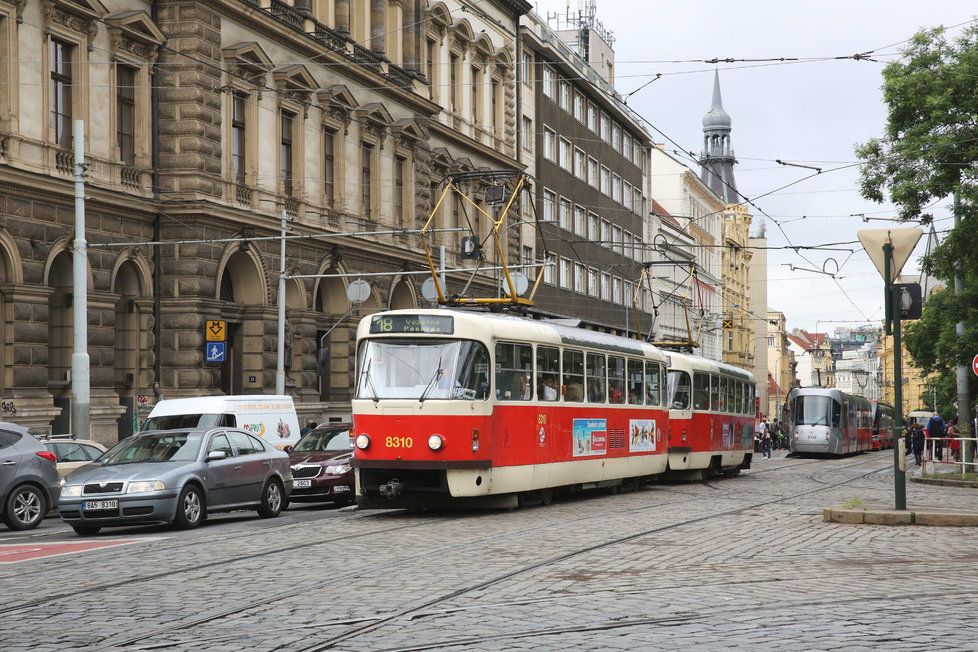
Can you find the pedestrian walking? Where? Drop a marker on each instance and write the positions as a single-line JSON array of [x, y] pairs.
[[936, 431], [759, 435], [917, 435], [766, 443], [953, 443]]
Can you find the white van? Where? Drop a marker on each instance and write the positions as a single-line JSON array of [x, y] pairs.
[[272, 418]]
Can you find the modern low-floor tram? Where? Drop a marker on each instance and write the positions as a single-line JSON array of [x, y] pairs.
[[457, 407], [827, 421]]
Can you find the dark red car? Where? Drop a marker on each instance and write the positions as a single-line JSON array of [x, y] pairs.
[[321, 470]]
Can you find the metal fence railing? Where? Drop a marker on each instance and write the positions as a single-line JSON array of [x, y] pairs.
[[947, 451]]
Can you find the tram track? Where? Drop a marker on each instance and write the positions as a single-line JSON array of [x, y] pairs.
[[329, 643]]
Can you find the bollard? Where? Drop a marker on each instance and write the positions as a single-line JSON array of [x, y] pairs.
[[902, 447]]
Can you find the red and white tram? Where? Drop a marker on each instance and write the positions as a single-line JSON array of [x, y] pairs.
[[456, 407]]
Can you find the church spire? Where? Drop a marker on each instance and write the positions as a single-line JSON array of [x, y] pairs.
[[718, 159]]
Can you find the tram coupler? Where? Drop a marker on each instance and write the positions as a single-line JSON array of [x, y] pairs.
[[391, 490]]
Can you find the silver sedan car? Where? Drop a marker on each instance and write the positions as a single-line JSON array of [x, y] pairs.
[[176, 476]]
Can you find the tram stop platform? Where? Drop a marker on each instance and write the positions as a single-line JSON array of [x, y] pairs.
[[913, 515]]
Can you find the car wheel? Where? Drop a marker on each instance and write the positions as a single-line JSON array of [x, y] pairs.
[[272, 500], [190, 508], [85, 530], [25, 509]]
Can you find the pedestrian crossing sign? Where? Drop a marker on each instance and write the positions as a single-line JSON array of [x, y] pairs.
[[214, 352]]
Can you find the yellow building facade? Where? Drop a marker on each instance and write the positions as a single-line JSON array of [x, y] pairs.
[[735, 275], [914, 380]]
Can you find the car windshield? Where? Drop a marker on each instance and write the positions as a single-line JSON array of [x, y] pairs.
[[423, 369], [319, 441], [163, 447], [812, 410]]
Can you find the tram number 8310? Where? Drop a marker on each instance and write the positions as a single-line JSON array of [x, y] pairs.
[[399, 442]]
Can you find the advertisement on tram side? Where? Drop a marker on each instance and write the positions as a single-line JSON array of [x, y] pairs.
[[590, 437], [641, 435]]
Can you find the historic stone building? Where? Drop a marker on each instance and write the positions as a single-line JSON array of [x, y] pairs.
[[591, 160], [203, 122]]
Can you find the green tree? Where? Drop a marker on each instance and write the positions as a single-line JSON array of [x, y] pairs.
[[927, 154]]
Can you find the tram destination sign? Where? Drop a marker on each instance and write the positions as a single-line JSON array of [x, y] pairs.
[[428, 324]]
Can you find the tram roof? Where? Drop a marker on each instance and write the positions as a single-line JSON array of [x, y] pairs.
[[698, 363], [512, 327]]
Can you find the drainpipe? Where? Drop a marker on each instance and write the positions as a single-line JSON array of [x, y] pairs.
[[157, 223]]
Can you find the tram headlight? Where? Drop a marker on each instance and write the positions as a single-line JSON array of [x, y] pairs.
[[363, 442], [435, 442]]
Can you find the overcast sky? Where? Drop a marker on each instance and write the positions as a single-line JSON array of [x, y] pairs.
[[810, 113]]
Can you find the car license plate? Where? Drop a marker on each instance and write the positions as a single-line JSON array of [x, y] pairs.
[[100, 504], [340, 488], [812, 437], [301, 484]]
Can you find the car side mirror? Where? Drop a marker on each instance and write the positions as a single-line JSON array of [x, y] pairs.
[[287, 449], [216, 455]]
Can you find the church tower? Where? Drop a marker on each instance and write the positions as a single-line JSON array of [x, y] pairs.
[[718, 156]]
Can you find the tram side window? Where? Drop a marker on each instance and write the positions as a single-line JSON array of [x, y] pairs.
[[597, 377], [653, 384], [548, 371], [679, 390], [616, 379], [573, 376], [722, 404], [715, 393], [636, 382], [472, 371], [514, 368], [701, 391], [836, 414], [739, 402]]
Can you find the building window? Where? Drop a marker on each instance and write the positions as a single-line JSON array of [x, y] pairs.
[[730, 340], [548, 81], [453, 82], [288, 120], [61, 93], [580, 221], [565, 274], [616, 290], [626, 196], [605, 127], [592, 117], [592, 172], [605, 234], [565, 214], [527, 134], [549, 205], [565, 154], [606, 286], [494, 102], [592, 282], [366, 169], [476, 97], [626, 146], [616, 136], [399, 162], [605, 180], [770, 340], [565, 96], [238, 103], [580, 167], [549, 144], [616, 239], [126, 114], [329, 167], [593, 229], [548, 271], [528, 260], [431, 65], [580, 278], [527, 68], [616, 188], [579, 106]]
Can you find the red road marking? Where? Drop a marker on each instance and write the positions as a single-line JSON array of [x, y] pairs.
[[11, 553]]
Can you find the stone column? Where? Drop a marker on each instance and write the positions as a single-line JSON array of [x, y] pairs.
[[396, 31], [410, 32], [343, 18], [378, 26]]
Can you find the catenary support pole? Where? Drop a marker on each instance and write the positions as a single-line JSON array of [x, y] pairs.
[[893, 315], [962, 371], [280, 367], [81, 396]]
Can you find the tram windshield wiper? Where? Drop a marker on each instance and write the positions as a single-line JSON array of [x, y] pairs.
[[369, 381], [439, 372]]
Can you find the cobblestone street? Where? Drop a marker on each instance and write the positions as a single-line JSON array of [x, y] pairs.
[[744, 562]]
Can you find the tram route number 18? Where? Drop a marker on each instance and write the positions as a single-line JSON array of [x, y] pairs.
[[399, 442]]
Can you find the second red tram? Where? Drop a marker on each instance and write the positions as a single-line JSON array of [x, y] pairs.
[[456, 407]]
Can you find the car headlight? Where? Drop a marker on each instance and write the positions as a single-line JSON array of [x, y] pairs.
[[363, 441], [338, 469], [435, 442], [71, 489], [142, 487]]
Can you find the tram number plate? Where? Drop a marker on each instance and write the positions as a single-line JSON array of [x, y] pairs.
[[301, 484], [100, 504], [399, 442]]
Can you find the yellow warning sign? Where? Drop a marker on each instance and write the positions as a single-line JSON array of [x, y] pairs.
[[216, 330]]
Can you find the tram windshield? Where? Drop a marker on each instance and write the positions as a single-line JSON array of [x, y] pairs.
[[423, 369], [816, 411]]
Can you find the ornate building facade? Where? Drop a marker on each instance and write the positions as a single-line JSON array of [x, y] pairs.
[[203, 122]]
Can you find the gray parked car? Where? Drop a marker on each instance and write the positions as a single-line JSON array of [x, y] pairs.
[[176, 476], [28, 478]]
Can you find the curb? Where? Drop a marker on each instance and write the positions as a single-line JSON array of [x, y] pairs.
[[945, 482], [895, 517]]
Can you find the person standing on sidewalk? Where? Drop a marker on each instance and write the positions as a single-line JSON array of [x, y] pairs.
[[917, 435], [766, 443], [935, 431]]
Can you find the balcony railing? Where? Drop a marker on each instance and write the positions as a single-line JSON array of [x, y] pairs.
[[366, 57], [287, 14], [242, 194], [64, 161], [291, 206], [399, 76], [131, 178], [330, 38]]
